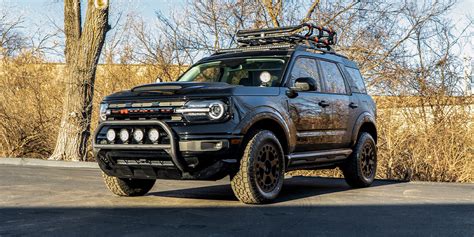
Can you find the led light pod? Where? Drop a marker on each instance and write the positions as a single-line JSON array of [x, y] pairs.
[[153, 135], [124, 135], [111, 135], [138, 135]]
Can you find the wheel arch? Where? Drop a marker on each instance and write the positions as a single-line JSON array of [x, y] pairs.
[[272, 120], [365, 123]]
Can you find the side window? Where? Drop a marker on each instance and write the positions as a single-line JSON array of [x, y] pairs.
[[333, 78], [305, 67], [357, 79]]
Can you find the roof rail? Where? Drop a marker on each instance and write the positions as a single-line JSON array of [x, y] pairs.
[[313, 36]]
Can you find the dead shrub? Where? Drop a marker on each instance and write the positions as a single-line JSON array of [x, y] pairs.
[[29, 107], [431, 143]]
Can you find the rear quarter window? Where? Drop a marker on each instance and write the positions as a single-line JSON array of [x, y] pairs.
[[357, 80]]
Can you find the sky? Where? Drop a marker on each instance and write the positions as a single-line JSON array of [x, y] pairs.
[[41, 13], [43, 9]]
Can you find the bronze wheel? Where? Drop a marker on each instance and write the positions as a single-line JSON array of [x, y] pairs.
[[367, 160], [267, 166], [261, 173], [360, 167]]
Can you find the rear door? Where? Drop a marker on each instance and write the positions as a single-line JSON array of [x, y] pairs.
[[338, 101], [361, 102]]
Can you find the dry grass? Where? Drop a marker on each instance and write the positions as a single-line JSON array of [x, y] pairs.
[[431, 144], [415, 145], [30, 106]]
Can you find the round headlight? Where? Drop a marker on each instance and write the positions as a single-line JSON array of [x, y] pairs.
[[153, 135], [124, 135], [111, 135], [138, 135], [103, 112], [216, 110]]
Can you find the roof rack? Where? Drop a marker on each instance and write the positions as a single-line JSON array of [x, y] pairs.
[[313, 36], [258, 48]]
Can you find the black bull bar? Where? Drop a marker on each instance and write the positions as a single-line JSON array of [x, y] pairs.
[[171, 148]]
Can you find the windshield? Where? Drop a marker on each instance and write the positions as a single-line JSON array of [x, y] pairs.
[[263, 72]]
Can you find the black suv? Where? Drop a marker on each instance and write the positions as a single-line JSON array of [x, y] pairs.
[[283, 100]]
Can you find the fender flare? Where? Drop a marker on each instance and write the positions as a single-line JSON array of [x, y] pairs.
[[365, 117], [266, 112]]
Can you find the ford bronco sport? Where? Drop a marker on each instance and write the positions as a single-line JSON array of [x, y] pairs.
[[282, 100]]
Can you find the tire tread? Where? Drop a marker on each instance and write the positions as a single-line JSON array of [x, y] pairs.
[[121, 188]]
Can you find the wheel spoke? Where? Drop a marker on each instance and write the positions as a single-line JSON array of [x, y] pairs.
[[272, 179], [266, 167], [362, 161], [367, 160], [274, 162]]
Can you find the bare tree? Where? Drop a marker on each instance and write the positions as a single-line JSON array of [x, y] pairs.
[[205, 26], [11, 39], [83, 46]]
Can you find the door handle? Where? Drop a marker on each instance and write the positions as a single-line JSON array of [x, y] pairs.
[[353, 105], [323, 103]]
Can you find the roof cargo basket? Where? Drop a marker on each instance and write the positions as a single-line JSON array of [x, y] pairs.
[[314, 36]]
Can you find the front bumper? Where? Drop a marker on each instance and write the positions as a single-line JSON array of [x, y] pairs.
[[177, 157]]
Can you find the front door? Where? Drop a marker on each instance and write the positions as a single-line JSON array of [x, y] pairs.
[[308, 110]]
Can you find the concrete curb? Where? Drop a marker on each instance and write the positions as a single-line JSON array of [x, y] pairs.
[[49, 163]]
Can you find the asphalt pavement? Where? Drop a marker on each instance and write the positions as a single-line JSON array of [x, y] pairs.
[[54, 201]]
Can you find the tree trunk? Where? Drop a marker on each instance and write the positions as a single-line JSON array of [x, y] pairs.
[[83, 47]]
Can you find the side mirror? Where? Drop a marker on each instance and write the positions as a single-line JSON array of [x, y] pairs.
[[301, 84], [305, 84]]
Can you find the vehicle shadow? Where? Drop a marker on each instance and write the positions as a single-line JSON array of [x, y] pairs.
[[294, 188]]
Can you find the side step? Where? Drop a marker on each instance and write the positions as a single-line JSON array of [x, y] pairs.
[[317, 158]]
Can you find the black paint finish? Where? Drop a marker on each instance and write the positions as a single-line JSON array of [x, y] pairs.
[[305, 121]]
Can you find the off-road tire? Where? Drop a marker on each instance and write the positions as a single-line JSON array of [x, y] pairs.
[[128, 187], [264, 145], [355, 172]]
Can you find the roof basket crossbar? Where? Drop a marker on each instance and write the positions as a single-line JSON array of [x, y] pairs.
[[314, 36]]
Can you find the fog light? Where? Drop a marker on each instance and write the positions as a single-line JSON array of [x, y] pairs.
[[111, 135], [124, 135], [153, 135], [138, 135]]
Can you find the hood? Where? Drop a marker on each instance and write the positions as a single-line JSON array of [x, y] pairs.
[[189, 89]]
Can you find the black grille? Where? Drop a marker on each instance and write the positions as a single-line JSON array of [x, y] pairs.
[[162, 110]]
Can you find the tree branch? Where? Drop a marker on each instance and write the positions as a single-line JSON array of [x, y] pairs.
[[310, 11], [273, 11], [340, 12]]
